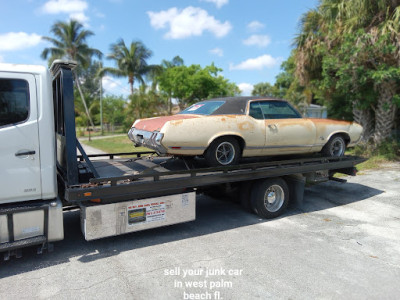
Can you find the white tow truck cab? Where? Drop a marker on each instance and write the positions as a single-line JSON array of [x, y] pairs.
[[41, 172]]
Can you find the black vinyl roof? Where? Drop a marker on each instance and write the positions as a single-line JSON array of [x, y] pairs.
[[236, 105]]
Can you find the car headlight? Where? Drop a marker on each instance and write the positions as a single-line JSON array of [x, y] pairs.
[[159, 137]]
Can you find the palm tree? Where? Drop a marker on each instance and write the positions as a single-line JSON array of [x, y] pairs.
[[374, 26], [131, 62], [70, 43]]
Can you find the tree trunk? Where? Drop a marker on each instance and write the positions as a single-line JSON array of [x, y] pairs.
[[385, 112], [83, 99], [364, 117]]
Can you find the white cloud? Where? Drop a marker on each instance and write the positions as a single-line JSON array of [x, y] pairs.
[[80, 17], [258, 63], [246, 88], [217, 51], [218, 3], [257, 40], [75, 8], [64, 6], [18, 40], [255, 26], [1, 59], [191, 21]]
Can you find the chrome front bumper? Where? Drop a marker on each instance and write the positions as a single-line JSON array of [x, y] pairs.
[[147, 139]]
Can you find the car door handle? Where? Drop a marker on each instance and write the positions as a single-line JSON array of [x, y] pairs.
[[272, 126], [25, 153]]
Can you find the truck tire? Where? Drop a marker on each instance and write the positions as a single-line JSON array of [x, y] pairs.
[[270, 197], [335, 147], [224, 151]]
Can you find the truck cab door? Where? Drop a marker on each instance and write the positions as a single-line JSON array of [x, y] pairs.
[[20, 174]]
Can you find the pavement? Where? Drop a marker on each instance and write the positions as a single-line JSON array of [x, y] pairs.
[[343, 243]]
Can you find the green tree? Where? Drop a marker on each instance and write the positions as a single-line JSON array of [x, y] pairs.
[[131, 62], [350, 50], [192, 83], [115, 113], [263, 89], [70, 43]]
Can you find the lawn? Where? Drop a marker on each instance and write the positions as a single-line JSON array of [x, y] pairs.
[[117, 144]]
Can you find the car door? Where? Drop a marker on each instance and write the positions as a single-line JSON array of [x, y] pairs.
[[255, 130], [19, 140], [286, 131]]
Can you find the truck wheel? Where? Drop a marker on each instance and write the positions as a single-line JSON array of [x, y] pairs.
[[223, 151], [335, 147], [270, 197]]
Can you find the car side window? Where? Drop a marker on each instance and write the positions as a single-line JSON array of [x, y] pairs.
[[14, 101], [278, 110], [255, 111]]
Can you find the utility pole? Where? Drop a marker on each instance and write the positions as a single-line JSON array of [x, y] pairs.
[[101, 105]]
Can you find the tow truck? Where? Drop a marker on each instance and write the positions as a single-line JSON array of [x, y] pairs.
[[45, 171]]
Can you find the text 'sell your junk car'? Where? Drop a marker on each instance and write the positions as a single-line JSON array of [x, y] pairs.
[[224, 130]]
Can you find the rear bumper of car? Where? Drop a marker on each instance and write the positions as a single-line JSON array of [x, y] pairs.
[[147, 139]]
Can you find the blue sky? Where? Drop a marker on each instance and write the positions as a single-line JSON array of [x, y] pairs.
[[248, 39]]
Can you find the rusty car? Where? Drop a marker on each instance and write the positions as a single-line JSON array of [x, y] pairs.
[[223, 130]]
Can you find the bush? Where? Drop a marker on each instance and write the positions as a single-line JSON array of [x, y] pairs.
[[389, 149]]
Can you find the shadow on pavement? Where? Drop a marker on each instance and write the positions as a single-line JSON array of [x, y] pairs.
[[211, 216]]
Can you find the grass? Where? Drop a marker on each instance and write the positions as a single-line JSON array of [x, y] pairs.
[[117, 144], [374, 162]]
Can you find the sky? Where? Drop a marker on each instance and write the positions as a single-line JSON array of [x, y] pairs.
[[247, 39]]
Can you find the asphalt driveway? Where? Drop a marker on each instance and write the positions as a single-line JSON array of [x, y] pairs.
[[343, 243]]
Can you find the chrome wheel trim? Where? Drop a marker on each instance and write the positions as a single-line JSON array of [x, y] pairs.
[[337, 147], [274, 198], [225, 153]]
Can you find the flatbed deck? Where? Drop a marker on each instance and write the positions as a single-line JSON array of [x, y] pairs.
[[140, 177]]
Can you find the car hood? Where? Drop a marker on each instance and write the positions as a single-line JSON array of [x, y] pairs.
[[155, 124]]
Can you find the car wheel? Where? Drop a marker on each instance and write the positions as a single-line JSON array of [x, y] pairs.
[[335, 147], [223, 151], [270, 197]]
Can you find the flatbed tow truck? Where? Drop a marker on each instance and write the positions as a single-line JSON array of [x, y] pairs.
[[42, 174]]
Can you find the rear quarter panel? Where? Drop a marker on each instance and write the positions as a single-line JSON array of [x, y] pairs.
[[326, 128]]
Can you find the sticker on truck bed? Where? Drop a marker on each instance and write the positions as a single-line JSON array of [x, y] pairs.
[[146, 213]]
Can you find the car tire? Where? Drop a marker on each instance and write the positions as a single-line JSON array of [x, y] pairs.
[[270, 197], [224, 151], [335, 147]]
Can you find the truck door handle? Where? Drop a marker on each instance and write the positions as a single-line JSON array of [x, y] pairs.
[[25, 153]]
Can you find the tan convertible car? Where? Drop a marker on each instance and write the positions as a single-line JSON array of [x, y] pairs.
[[224, 130]]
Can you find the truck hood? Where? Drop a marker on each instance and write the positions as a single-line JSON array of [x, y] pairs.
[[155, 124]]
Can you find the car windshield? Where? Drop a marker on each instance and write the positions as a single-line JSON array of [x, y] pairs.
[[203, 108]]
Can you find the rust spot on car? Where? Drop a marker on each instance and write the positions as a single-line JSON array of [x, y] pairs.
[[177, 122], [223, 119], [157, 123], [282, 123], [330, 122], [244, 126]]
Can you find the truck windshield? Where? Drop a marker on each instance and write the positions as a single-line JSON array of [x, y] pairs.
[[203, 108]]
